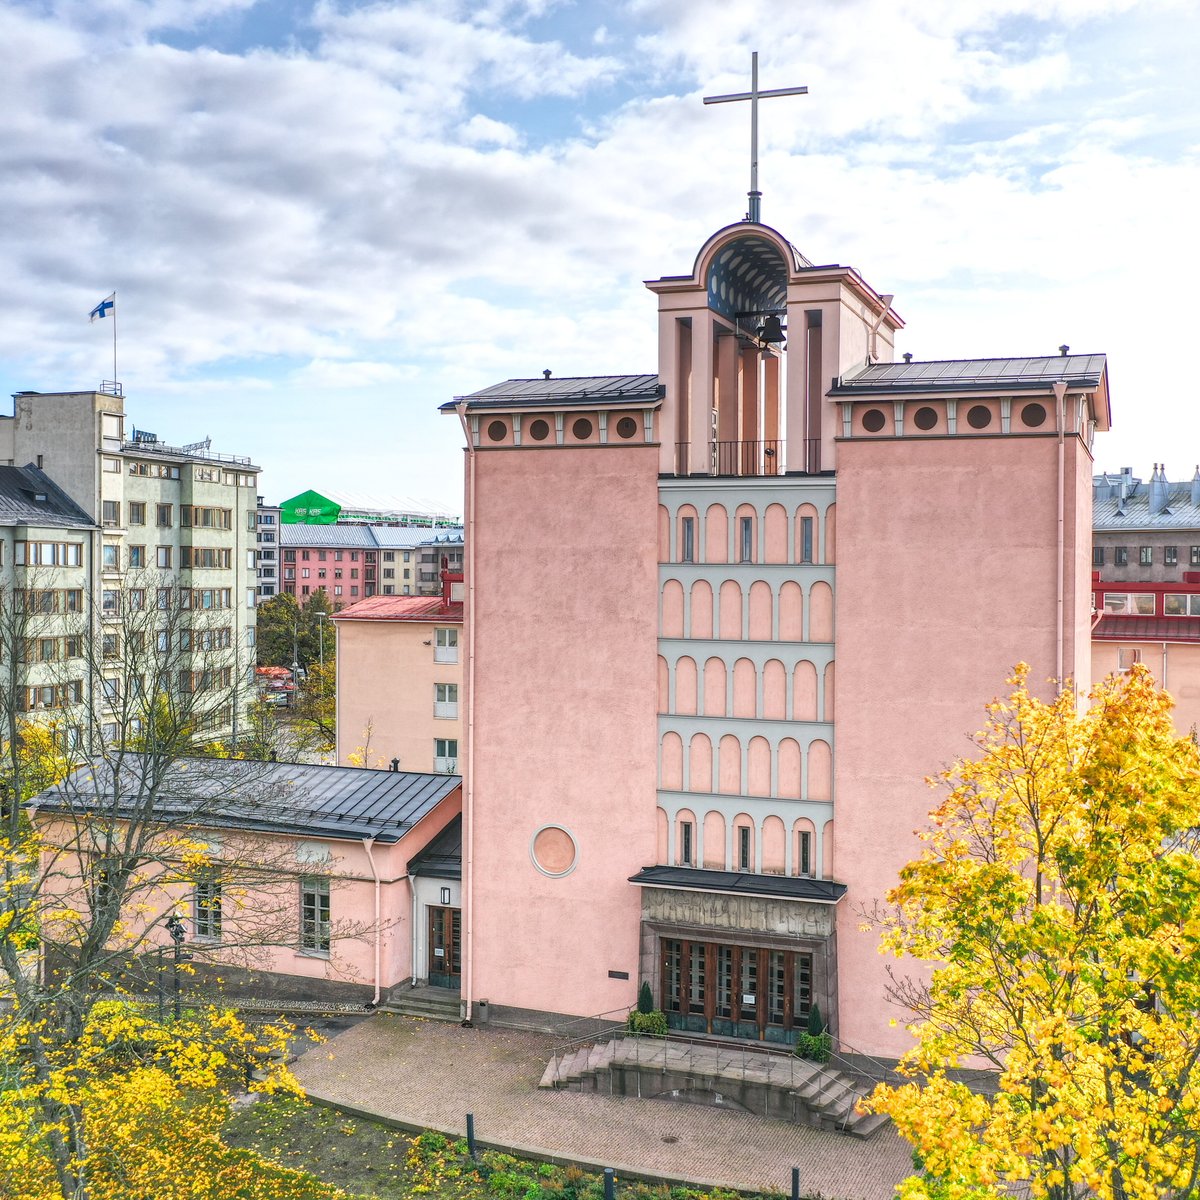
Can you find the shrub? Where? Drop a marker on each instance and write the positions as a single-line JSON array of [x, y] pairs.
[[653, 1023], [645, 1002], [816, 1022], [816, 1047]]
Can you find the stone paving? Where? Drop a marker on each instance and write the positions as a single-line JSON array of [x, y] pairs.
[[429, 1074]]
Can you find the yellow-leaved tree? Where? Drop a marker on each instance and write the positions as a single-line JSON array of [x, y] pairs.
[[1058, 900]]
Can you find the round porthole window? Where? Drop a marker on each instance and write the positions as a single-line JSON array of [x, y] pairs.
[[553, 851], [539, 430], [497, 431], [874, 420], [925, 418], [626, 427], [582, 429], [1033, 415], [979, 417]]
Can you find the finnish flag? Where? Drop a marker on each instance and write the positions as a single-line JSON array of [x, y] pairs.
[[104, 307]]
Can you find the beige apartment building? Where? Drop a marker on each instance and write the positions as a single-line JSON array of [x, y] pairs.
[[162, 528], [399, 681]]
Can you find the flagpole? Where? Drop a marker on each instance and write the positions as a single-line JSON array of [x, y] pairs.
[[114, 316]]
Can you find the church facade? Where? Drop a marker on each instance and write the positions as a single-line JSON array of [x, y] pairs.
[[707, 776]]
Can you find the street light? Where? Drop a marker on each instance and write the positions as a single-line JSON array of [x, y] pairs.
[[176, 930]]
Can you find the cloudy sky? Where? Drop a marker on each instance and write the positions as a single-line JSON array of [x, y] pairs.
[[324, 219]]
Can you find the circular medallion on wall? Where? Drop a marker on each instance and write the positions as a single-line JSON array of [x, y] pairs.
[[626, 427], [582, 429], [874, 420], [553, 851], [539, 430], [925, 417], [979, 417], [1033, 415], [497, 431]]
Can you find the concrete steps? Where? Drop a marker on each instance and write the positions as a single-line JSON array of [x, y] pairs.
[[776, 1085], [434, 1004]]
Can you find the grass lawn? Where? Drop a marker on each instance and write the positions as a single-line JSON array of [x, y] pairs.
[[374, 1162]]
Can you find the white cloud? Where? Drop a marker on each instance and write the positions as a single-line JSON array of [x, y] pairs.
[[413, 199]]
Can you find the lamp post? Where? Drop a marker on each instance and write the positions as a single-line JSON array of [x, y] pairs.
[[175, 928]]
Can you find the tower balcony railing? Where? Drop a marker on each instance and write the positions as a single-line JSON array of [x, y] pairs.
[[740, 458]]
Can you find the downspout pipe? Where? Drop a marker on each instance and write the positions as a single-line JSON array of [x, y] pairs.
[[369, 847], [1060, 394], [468, 994]]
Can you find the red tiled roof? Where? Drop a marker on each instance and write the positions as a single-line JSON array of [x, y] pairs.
[[1148, 629], [402, 608]]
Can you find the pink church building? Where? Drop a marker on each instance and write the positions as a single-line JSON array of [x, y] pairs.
[[788, 573]]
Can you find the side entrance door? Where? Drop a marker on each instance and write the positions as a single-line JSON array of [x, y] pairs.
[[445, 947]]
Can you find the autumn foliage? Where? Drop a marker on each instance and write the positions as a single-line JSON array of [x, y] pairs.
[[1059, 897]]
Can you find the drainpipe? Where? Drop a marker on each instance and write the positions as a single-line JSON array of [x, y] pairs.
[[368, 846], [1060, 392], [469, 731], [412, 887]]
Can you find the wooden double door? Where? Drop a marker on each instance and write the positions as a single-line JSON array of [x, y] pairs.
[[736, 991], [445, 947]]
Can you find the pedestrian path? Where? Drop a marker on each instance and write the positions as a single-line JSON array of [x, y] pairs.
[[429, 1074]]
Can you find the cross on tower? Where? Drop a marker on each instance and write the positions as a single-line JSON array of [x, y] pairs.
[[754, 96]]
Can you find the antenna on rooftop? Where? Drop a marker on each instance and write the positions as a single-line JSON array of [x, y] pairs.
[[192, 447]]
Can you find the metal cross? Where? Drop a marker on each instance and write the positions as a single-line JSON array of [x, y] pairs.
[[754, 96]]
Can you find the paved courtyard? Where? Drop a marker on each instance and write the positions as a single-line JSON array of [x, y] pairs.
[[430, 1074]]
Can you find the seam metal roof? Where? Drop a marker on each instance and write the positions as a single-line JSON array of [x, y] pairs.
[[1113, 628], [784, 887], [401, 608], [572, 390], [991, 374], [294, 798]]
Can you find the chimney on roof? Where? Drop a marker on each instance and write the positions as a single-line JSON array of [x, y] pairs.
[[908, 356], [546, 373], [1196, 488], [394, 766], [1159, 489], [1063, 349]]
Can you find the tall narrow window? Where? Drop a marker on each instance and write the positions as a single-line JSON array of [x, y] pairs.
[[746, 539], [1097, 556], [806, 539], [687, 552], [1121, 556], [1170, 556], [744, 848], [445, 699], [445, 754], [806, 853], [206, 908], [445, 647], [1145, 556], [314, 915], [686, 854]]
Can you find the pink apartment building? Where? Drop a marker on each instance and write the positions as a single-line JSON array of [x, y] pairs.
[[697, 757], [399, 680]]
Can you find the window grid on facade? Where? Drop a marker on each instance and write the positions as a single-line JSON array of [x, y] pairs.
[[206, 908], [314, 915]]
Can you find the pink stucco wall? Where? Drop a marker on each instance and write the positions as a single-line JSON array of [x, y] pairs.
[[261, 925], [1174, 665], [946, 579], [386, 677], [563, 610]]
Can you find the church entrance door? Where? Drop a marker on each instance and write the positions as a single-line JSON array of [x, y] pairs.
[[445, 947]]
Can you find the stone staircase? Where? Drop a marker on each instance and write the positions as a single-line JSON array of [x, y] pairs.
[[433, 1003], [776, 1085]]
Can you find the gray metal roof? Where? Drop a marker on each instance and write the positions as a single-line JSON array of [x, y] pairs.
[[441, 858], [293, 798], [974, 374], [366, 537], [19, 489], [335, 537], [786, 887], [573, 390], [1131, 515]]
